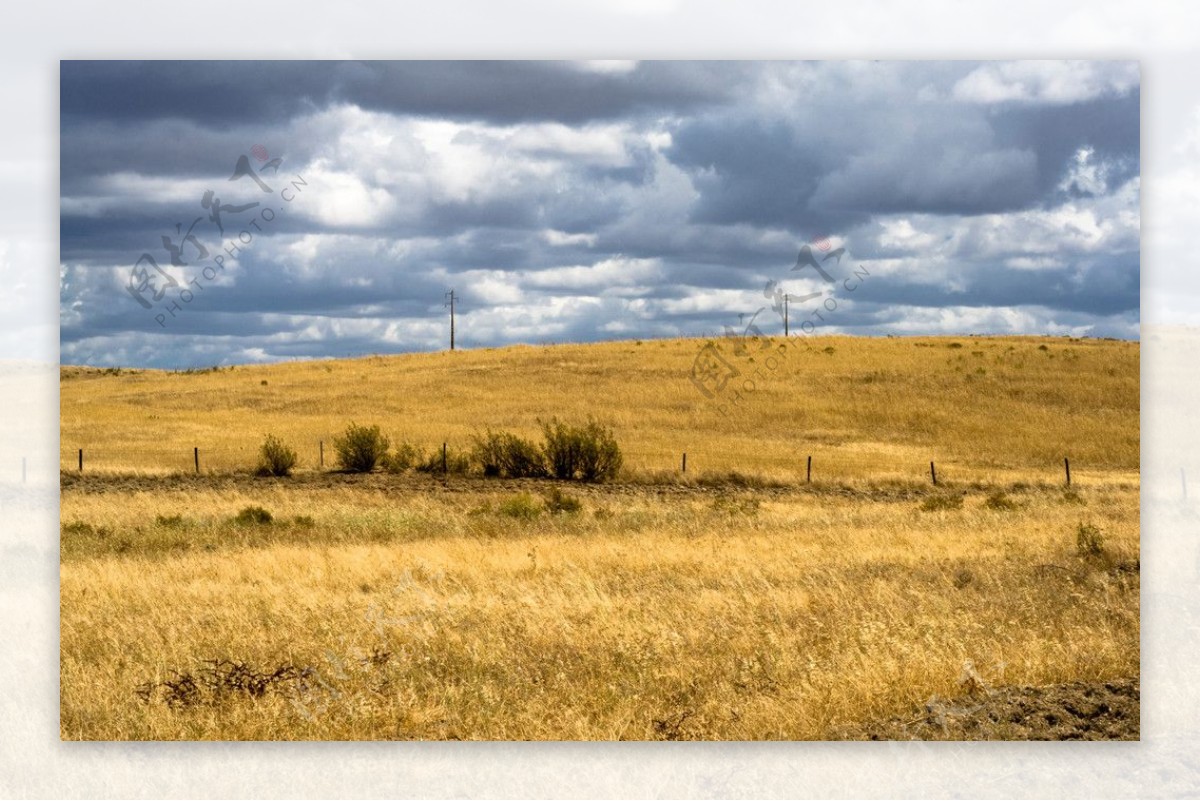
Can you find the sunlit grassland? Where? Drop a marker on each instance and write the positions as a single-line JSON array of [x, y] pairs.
[[666, 606], [705, 615], [985, 407]]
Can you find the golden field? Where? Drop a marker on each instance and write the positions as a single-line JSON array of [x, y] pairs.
[[986, 407], [733, 602]]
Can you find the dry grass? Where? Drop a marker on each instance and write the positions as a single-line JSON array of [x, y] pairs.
[[995, 408], [700, 615], [403, 607]]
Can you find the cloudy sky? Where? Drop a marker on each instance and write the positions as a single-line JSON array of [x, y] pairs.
[[331, 205]]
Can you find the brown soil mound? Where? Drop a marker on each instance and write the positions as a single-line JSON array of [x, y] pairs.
[[1076, 711]]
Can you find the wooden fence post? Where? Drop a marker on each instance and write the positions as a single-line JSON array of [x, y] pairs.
[[1067, 466], [196, 457], [808, 471], [445, 470], [81, 460], [684, 468], [933, 473], [321, 444]]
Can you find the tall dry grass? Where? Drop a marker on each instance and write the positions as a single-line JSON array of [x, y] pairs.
[[735, 602], [732, 615]]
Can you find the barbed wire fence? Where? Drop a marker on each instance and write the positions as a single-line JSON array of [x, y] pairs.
[[318, 455]]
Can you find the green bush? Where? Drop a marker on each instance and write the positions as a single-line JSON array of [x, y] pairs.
[[360, 448], [558, 502], [275, 458], [1000, 502], [500, 453], [253, 515], [521, 506], [588, 452], [942, 503], [1089, 540]]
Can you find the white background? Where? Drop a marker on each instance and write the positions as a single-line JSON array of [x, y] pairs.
[[1165, 37]]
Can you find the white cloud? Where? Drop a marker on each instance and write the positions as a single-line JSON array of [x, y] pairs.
[[343, 199], [1086, 175], [1046, 81], [562, 238], [599, 277], [901, 235]]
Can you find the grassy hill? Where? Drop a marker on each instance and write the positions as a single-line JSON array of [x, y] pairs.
[[1003, 408]]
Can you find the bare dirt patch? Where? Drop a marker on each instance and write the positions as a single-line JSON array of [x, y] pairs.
[[1076, 711]]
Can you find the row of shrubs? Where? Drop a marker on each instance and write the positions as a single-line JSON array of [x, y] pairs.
[[583, 452]]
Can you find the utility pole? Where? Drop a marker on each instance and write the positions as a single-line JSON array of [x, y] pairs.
[[450, 303], [787, 299]]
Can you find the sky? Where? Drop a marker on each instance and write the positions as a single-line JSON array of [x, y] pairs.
[[227, 212]]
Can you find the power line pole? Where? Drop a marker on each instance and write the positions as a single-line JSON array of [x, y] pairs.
[[450, 303], [787, 298]]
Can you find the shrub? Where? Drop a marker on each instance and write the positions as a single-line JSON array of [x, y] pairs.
[[405, 457], [500, 453], [588, 452], [521, 506], [942, 503], [360, 448], [1071, 496], [275, 458], [1089, 540], [456, 462], [253, 515], [1000, 502], [561, 449], [486, 450], [729, 505], [170, 521], [558, 502], [79, 527]]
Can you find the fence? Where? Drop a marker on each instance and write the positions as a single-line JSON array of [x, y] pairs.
[[320, 456]]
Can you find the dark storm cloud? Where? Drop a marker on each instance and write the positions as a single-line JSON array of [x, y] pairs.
[[241, 92], [583, 202], [1102, 287], [755, 171], [1110, 125]]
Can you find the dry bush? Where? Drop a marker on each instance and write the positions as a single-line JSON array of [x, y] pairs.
[[942, 503], [360, 448], [588, 452], [275, 458], [405, 457], [500, 453]]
